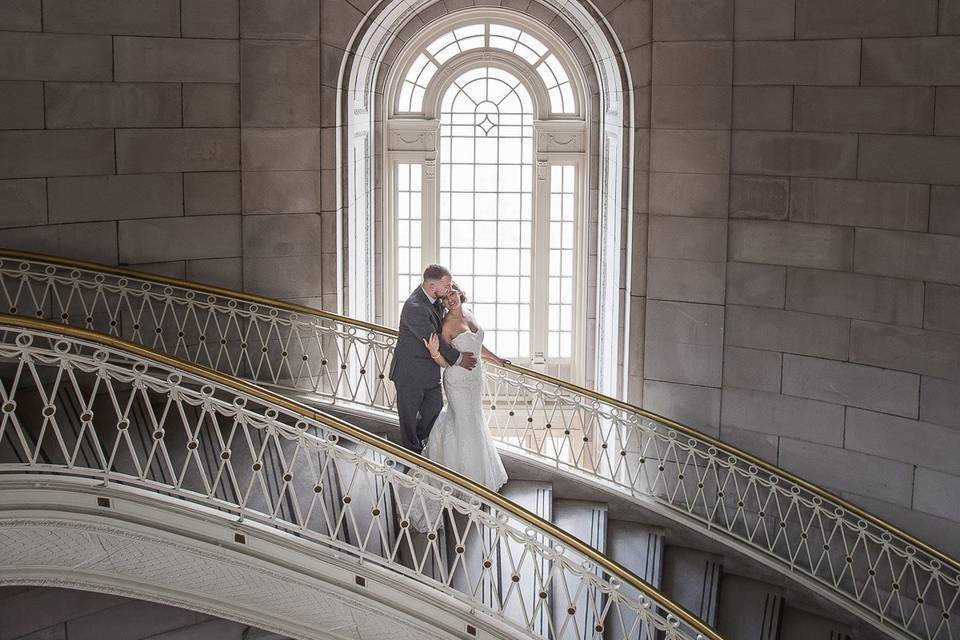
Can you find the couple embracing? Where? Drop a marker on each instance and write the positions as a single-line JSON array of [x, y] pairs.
[[440, 339]]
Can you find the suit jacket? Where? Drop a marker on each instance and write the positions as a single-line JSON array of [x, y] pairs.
[[412, 365]]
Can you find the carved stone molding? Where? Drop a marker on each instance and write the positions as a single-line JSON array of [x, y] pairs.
[[413, 135]]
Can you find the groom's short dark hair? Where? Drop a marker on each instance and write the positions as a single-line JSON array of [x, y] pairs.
[[435, 272]]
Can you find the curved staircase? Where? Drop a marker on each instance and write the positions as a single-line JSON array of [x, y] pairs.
[[751, 550]]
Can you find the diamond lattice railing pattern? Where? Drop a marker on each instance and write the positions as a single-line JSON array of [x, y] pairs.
[[888, 579], [74, 403]]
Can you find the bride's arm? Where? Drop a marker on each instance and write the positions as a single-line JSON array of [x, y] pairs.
[[433, 346], [492, 357]]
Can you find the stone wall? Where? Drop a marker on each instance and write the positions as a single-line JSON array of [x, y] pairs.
[[181, 137], [814, 315]]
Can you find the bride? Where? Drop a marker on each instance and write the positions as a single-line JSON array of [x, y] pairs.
[[460, 438]]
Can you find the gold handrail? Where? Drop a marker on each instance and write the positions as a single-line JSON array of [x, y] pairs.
[[748, 457], [366, 437]]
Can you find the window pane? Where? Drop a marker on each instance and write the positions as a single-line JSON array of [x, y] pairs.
[[560, 288]]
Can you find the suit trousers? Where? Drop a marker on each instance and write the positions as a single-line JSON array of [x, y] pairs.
[[418, 410]]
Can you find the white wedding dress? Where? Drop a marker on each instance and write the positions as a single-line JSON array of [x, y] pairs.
[[460, 438]]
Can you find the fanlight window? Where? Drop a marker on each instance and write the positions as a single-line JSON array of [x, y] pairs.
[[486, 175], [492, 36]]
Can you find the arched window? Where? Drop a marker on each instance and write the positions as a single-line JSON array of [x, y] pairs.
[[486, 140]]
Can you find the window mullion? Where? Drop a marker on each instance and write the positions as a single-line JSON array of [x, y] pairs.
[[430, 227], [541, 259]]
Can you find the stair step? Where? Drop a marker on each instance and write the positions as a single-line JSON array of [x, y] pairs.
[[692, 578], [749, 609], [588, 522], [639, 548], [533, 611]]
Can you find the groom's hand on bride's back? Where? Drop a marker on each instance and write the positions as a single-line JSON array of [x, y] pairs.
[[468, 360]]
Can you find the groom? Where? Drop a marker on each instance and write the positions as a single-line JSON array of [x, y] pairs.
[[415, 375]]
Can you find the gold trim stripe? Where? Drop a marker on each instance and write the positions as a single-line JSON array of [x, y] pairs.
[[260, 393], [690, 431]]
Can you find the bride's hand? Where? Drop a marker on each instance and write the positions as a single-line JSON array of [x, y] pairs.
[[432, 344]]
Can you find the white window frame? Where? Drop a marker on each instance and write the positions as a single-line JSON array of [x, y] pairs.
[[561, 138]]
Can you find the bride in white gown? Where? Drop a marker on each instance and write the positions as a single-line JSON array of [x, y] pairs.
[[460, 438]]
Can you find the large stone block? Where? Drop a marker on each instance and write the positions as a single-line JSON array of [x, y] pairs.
[[29, 154], [679, 151], [763, 108], [281, 235], [950, 16], [854, 385], [283, 277], [162, 150], [759, 444], [936, 493], [940, 401], [176, 60], [901, 254], [684, 343], [20, 15], [114, 17], [685, 280], [752, 369], [824, 155], [858, 203], [791, 243], [764, 19], [911, 61], [809, 62], [930, 353], [780, 415], [759, 197], [920, 443], [866, 18], [281, 192], [53, 56], [697, 407], [281, 84], [189, 238], [844, 470], [281, 149], [941, 533], [634, 22], [942, 308], [698, 63], [948, 111], [23, 202], [286, 19], [852, 295], [692, 20], [96, 241], [21, 105], [689, 194], [219, 272], [690, 107], [211, 193], [788, 331], [83, 199], [210, 18], [757, 285], [945, 210], [76, 105], [865, 109], [689, 238], [930, 159], [211, 105]]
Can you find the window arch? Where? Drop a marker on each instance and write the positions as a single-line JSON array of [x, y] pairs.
[[486, 155], [371, 134]]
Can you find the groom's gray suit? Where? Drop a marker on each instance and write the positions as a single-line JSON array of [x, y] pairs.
[[414, 373]]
